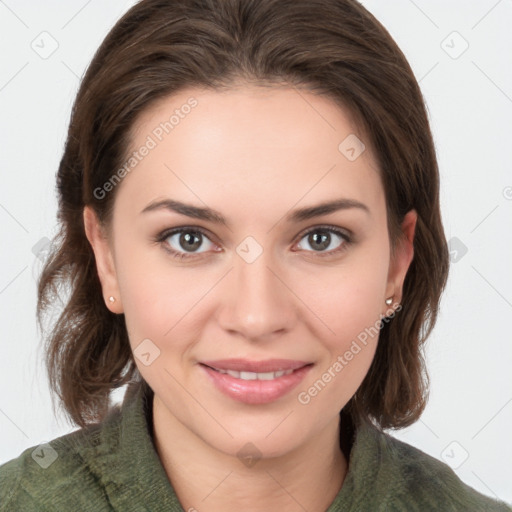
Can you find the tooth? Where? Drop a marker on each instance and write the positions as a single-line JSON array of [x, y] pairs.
[[266, 376], [255, 376], [248, 376]]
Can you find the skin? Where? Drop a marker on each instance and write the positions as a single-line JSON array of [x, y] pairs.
[[254, 155]]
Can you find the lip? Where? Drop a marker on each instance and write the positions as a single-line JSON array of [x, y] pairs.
[[245, 365], [256, 391]]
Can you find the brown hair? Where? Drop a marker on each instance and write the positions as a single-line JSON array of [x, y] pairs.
[[332, 47]]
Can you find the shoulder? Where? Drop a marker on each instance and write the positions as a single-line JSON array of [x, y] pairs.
[[53, 475], [425, 482]]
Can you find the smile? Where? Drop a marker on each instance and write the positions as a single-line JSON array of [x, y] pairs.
[[254, 375], [255, 382]]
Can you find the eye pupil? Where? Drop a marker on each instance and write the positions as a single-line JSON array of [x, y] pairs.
[[323, 240], [187, 240]]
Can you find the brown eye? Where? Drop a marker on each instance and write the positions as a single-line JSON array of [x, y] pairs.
[[325, 240], [185, 242], [189, 240]]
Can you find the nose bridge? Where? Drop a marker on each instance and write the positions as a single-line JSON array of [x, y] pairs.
[[258, 303]]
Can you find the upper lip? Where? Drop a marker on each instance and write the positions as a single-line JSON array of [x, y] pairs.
[[245, 365]]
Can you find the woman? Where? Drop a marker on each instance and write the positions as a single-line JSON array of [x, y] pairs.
[[252, 240]]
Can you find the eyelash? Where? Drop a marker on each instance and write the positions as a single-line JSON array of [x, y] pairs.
[[164, 235]]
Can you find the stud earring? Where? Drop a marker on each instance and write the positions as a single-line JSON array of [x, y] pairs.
[[389, 301], [112, 299]]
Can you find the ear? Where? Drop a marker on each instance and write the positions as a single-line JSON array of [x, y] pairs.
[[104, 260], [399, 265]]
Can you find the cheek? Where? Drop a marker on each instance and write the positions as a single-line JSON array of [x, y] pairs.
[[161, 308], [157, 298], [349, 306], [347, 298]]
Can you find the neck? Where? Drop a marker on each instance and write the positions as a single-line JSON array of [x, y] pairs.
[[206, 479]]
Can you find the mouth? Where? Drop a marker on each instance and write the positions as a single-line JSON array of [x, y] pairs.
[[254, 375], [256, 370], [256, 382]]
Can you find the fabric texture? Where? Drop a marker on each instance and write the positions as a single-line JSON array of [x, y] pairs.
[[113, 466]]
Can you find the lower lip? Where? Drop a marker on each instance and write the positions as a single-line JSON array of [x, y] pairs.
[[256, 391]]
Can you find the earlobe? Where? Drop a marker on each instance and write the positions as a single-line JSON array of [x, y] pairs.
[[403, 257], [104, 260]]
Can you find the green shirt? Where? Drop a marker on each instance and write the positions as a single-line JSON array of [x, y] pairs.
[[113, 466]]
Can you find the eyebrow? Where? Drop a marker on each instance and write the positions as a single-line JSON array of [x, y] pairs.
[[214, 216]]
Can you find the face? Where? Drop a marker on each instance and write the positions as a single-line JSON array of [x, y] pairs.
[[248, 277]]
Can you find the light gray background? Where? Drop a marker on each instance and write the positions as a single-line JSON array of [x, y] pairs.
[[468, 420]]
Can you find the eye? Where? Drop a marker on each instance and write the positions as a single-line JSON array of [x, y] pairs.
[[323, 242], [185, 242]]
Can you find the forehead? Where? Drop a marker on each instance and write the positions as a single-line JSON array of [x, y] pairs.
[[262, 144], [277, 116]]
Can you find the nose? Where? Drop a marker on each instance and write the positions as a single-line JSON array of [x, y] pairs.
[[257, 300]]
